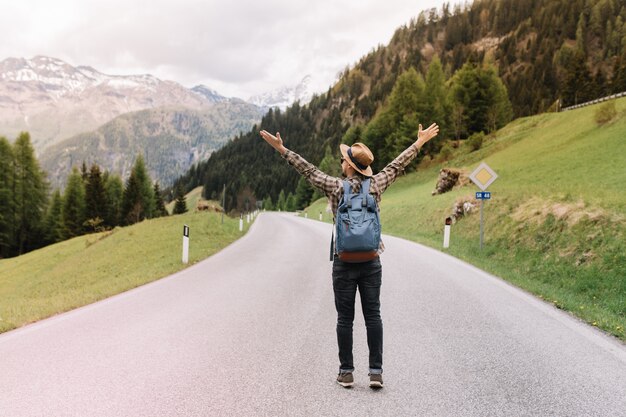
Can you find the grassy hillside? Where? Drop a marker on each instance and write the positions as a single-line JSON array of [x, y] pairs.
[[88, 268], [556, 223]]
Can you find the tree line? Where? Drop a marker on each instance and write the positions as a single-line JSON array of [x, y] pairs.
[[31, 217]]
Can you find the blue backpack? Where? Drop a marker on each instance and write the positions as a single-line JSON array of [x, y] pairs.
[[358, 225]]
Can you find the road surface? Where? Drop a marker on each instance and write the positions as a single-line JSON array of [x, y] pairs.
[[251, 332]]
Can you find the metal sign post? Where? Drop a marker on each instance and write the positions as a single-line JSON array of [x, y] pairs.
[[483, 177]]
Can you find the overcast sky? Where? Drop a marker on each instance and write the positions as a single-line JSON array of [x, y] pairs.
[[237, 47]]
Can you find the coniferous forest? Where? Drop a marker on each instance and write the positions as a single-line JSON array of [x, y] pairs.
[[469, 68], [31, 217]]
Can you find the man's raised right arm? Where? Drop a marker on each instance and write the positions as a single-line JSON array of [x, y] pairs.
[[388, 175]]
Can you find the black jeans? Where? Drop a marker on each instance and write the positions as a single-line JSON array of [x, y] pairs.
[[367, 276]]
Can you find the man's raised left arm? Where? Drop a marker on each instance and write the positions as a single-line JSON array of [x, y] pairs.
[[318, 179]]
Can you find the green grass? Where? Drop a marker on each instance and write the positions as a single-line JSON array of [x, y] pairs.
[[556, 223], [89, 268]]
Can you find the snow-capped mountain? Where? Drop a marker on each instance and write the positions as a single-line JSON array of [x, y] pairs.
[[60, 79], [54, 100], [285, 96], [209, 94]]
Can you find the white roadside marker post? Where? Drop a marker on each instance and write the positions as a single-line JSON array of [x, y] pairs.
[[446, 233], [320, 216], [248, 217], [185, 244], [241, 223], [306, 215]]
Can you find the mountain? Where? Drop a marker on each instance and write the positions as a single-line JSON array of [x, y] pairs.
[[54, 100], [170, 139], [285, 96], [211, 95]]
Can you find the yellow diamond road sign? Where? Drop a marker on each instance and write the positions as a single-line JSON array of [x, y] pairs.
[[483, 176]]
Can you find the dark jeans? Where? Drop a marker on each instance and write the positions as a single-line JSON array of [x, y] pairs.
[[367, 277]]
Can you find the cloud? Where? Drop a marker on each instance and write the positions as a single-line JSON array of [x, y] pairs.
[[238, 47]]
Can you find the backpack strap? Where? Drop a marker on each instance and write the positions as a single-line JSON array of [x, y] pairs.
[[365, 187], [347, 190], [332, 245]]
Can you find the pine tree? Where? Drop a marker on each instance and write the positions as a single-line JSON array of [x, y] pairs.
[[282, 200], [145, 184], [114, 189], [268, 204], [406, 106], [479, 99], [396, 126], [181, 201], [138, 195], [290, 203], [436, 109], [84, 173], [576, 84], [53, 225], [132, 208], [7, 211], [159, 204], [95, 198], [619, 75], [74, 204], [499, 110], [304, 192], [30, 195], [581, 30]]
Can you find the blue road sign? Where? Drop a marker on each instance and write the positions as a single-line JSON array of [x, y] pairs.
[[483, 195]]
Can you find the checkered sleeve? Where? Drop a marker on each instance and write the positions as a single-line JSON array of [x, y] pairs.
[[388, 175], [323, 182]]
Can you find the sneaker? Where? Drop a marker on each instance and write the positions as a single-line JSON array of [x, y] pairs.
[[376, 381], [345, 379]]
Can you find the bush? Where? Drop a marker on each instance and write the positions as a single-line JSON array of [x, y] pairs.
[[475, 141], [606, 112]]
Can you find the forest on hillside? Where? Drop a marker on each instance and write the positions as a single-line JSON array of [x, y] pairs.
[[469, 68], [93, 200]]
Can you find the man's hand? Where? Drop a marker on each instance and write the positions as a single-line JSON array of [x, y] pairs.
[[275, 141], [424, 136]]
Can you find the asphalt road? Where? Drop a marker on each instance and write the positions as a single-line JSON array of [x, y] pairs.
[[251, 332]]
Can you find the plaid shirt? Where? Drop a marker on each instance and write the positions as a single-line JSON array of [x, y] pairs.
[[332, 187]]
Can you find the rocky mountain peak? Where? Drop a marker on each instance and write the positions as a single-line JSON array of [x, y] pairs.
[[208, 93], [285, 96]]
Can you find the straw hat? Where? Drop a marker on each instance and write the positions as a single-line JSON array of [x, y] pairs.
[[358, 157]]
